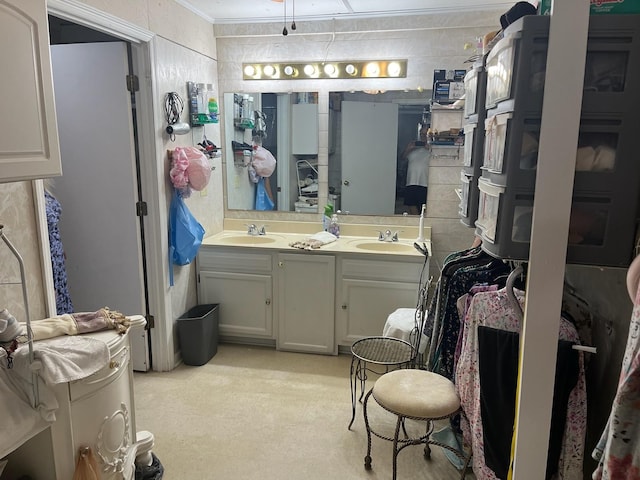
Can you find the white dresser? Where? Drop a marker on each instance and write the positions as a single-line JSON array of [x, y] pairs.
[[97, 411]]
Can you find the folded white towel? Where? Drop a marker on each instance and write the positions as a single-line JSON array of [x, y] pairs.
[[64, 359], [317, 240]]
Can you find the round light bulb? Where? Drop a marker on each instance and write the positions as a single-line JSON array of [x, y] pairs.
[[288, 70], [350, 69], [269, 70], [330, 69], [393, 69], [372, 69], [309, 70], [249, 70]]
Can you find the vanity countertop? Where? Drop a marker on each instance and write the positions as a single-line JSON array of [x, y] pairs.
[[354, 238]]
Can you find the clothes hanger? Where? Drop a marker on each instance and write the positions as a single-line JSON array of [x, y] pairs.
[[510, 293]]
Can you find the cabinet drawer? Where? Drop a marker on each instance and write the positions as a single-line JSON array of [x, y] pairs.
[[117, 366], [381, 270], [232, 261]]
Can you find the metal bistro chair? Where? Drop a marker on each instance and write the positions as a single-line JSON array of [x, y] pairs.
[[414, 394], [380, 355]]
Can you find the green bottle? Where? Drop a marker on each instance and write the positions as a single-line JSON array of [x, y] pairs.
[[326, 219]]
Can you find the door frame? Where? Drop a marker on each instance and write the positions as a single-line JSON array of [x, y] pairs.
[[142, 50]]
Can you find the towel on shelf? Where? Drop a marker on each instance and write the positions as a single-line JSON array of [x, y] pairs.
[[64, 359], [315, 241]]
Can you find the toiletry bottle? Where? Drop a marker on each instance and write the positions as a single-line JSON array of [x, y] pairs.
[[213, 109], [334, 227], [421, 225], [326, 219]]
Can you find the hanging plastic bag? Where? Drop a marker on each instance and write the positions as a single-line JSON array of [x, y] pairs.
[[263, 202], [86, 465], [263, 161], [185, 234]]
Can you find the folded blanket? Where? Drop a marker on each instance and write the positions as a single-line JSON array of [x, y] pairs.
[[315, 241]]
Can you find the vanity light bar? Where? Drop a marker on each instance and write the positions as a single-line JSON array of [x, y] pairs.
[[324, 70]]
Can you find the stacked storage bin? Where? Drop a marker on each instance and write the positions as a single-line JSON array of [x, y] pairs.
[[607, 180], [475, 82]]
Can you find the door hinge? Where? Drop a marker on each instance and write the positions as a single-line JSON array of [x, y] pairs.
[[151, 321], [133, 85], [141, 209]]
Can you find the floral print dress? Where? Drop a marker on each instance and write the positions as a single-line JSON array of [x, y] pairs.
[[63, 297], [618, 451]]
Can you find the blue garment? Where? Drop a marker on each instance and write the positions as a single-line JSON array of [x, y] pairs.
[[63, 297]]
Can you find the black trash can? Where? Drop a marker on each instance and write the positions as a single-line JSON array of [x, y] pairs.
[[198, 334]]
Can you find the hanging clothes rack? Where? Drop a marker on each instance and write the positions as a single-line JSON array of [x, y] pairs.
[[517, 271]]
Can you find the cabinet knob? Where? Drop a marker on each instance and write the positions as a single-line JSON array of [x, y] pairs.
[[114, 364], [344, 306], [346, 183], [281, 264], [268, 301]]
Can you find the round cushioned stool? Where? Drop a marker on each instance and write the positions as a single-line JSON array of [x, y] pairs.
[[416, 395]]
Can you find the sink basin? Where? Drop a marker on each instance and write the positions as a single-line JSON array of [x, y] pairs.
[[385, 247], [247, 240]]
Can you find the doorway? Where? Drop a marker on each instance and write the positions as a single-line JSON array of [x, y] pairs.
[[100, 190]]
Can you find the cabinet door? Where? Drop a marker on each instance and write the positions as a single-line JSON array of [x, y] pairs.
[[369, 291], [29, 147], [245, 302], [366, 304], [306, 295]]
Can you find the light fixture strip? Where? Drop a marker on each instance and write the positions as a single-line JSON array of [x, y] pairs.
[[325, 70]]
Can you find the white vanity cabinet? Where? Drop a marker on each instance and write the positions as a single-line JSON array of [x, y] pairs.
[[369, 290], [97, 411], [241, 283], [29, 147], [306, 299]]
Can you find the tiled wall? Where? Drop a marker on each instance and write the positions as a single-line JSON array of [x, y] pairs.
[[428, 42]]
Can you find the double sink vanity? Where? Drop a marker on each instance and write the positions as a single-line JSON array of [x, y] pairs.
[[314, 301]]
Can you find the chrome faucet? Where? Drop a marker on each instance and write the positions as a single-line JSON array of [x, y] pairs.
[[254, 230], [388, 236]]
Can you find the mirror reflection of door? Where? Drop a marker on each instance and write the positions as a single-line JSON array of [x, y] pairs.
[[369, 139], [385, 134]]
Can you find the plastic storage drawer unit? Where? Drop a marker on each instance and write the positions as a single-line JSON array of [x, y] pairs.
[[605, 155], [600, 230], [475, 85], [516, 65]]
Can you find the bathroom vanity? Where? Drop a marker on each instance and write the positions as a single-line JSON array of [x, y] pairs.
[[315, 301]]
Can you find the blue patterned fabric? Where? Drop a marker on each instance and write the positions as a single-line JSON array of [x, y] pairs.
[[63, 297]]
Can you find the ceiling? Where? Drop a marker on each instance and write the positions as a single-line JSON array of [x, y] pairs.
[[260, 11]]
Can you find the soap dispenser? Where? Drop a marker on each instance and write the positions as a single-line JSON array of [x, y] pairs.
[[334, 227]]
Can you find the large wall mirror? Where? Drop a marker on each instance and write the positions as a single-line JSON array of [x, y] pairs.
[[368, 133], [286, 126], [369, 136]]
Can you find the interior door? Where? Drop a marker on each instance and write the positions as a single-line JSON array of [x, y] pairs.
[[369, 143], [98, 190]]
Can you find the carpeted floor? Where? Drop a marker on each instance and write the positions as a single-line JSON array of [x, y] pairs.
[[256, 413]]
